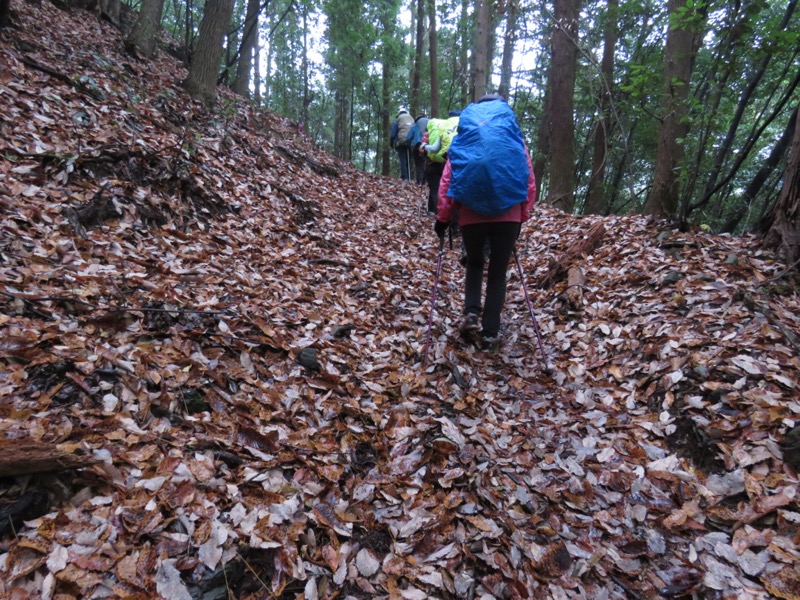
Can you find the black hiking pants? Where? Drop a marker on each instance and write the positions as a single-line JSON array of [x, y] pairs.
[[433, 174], [501, 237]]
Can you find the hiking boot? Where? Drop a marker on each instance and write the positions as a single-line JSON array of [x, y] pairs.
[[491, 342], [469, 325]]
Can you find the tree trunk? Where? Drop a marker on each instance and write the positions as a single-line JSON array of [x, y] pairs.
[[143, 37], [306, 91], [188, 37], [508, 49], [386, 124], [241, 85], [418, 50], [784, 231], [561, 192], [463, 60], [268, 62], [205, 63], [682, 43], [478, 79], [434, 58], [543, 154], [257, 72], [595, 198]]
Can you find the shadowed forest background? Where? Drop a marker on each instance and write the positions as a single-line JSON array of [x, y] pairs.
[[683, 109]]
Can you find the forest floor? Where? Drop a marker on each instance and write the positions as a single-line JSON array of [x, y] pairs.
[[164, 271]]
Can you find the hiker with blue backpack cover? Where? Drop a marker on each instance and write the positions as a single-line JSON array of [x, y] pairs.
[[489, 179]]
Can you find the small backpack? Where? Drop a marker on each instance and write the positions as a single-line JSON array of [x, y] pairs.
[[446, 130], [488, 160]]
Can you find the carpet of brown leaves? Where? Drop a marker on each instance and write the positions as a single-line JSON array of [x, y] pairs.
[[211, 384]]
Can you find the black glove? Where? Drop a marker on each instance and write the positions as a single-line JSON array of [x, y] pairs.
[[440, 228]]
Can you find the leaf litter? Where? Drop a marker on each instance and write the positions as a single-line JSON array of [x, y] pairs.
[[223, 326]]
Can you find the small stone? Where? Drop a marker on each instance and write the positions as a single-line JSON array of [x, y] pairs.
[[341, 331], [308, 358], [672, 277]]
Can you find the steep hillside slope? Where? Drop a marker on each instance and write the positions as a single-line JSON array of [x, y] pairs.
[[211, 383]]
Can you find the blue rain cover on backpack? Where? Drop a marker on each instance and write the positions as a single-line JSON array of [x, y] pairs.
[[488, 160]]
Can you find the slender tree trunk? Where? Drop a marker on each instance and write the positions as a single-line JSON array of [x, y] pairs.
[[495, 15], [385, 125], [306, 91], [434, 58], [188, 39], [205, 63], [561, 192], [784, 220], [143, 37], [257, 72], [545, 136], [463, 60], [595, 199], [419, 43], [241, 85], [478, 84], [508, 49], [679, 54]]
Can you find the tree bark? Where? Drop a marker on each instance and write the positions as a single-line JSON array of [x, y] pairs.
[[204, 69], [386, 124], [784, 229], [419, 43], [543, 153], [561, 192], [508, 49], [241, 85], [143, 37], [478, 78], [463, 60], [682, 42], [595, 198], [559, 267], [434, 58], [306, 91]]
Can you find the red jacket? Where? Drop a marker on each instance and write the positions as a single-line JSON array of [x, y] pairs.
[[518, 213]]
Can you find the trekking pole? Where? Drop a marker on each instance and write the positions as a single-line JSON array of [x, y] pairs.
[[433, 300], [530, 307]]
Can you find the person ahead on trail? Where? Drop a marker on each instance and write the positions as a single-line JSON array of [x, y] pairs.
[[489, 178], [419, 129], [399, 138], [440, 135]]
